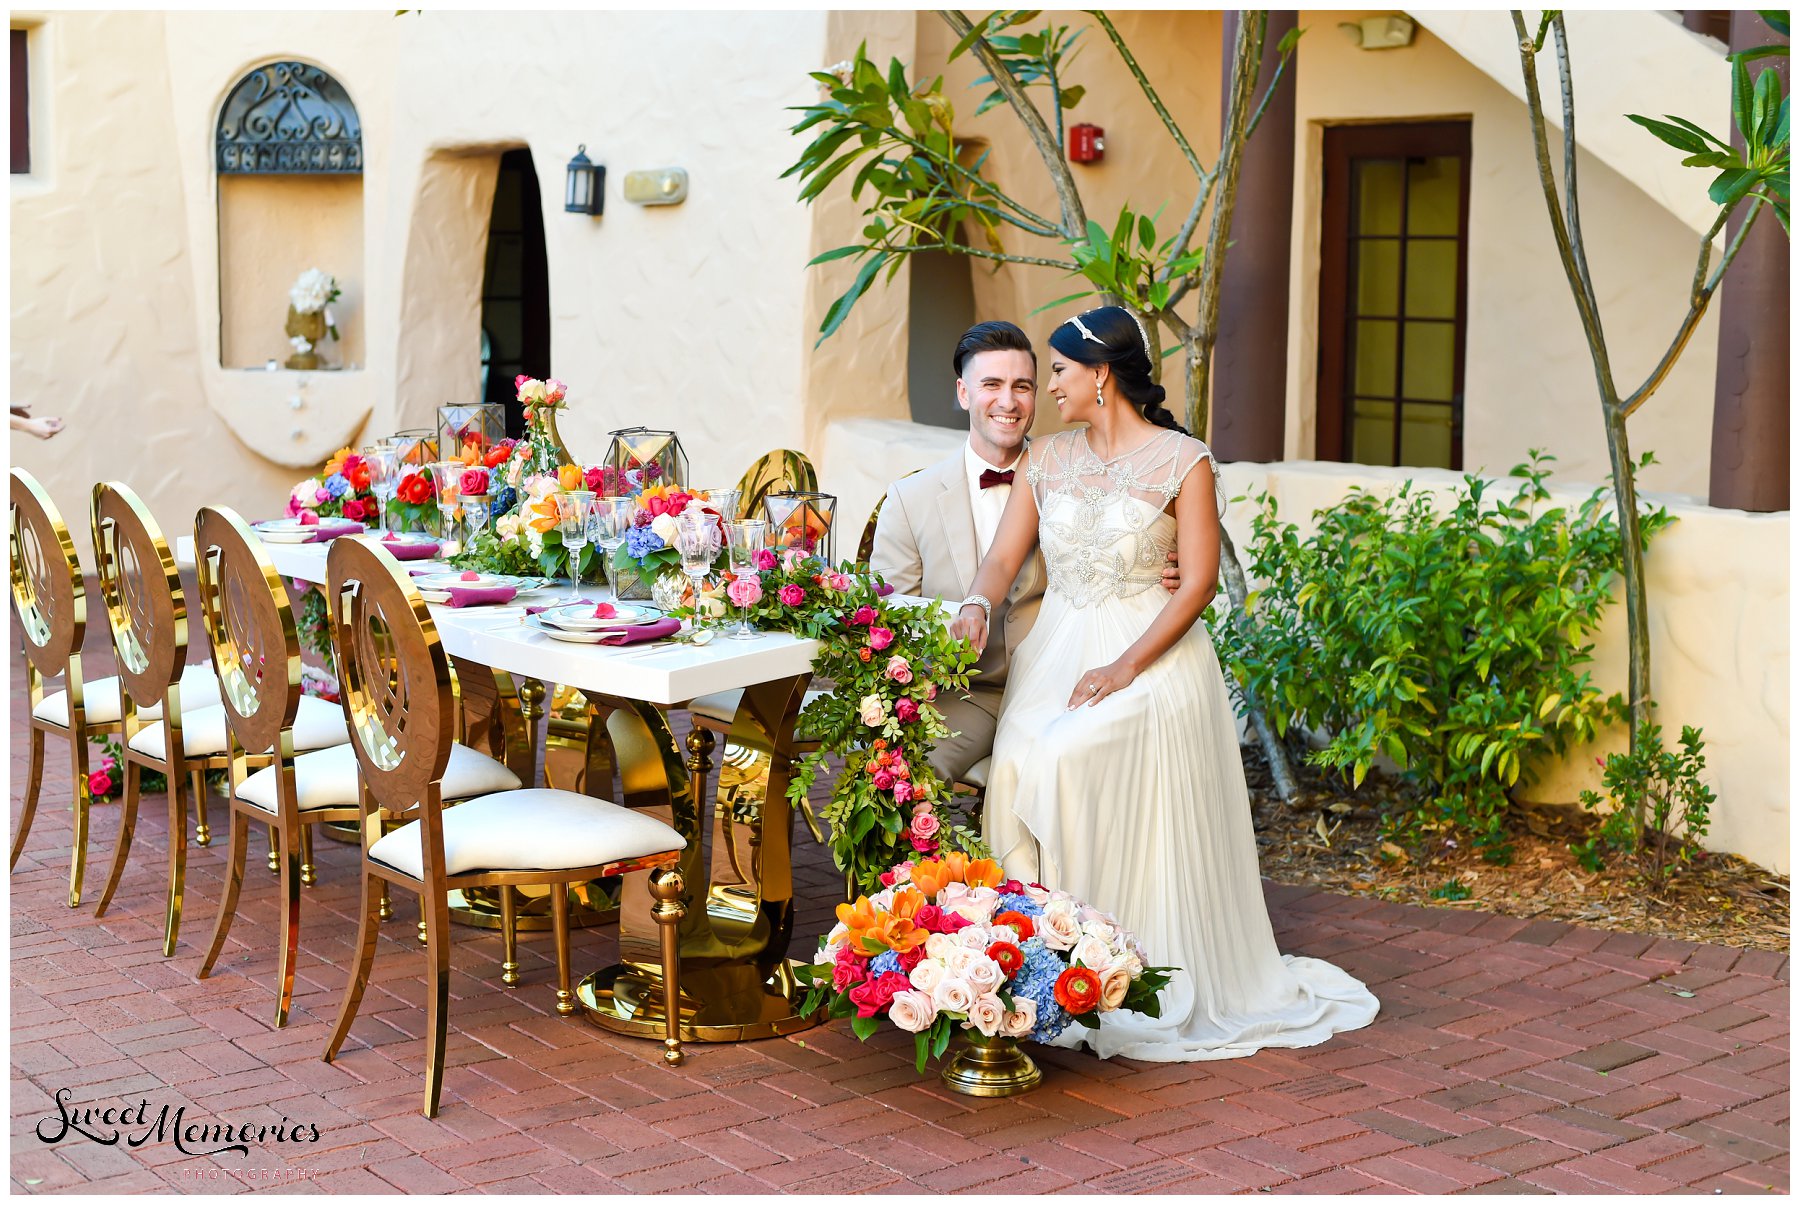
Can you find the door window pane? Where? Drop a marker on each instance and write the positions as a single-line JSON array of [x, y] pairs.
[[1374, 356], [1378, 277], [1433, 195], [1372, 432], [1425, 436], [1430, 361], [1378, 196], [1430, 278]]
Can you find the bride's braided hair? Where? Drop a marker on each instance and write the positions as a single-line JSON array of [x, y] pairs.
[[1117, 340]]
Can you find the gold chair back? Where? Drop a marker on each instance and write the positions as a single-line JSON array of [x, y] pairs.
[[778, 470], [141, 589], [48, 596], [399, 698], [255, 647], [865, 547]]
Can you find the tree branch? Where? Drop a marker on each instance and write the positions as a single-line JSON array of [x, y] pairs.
[[1156, 103], [1046, 228], [1700, 301], [1074, 217], [1007, 258], [1571, 194]]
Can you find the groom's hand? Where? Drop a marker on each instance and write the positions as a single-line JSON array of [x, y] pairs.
[[1172, 573], [971, 625]]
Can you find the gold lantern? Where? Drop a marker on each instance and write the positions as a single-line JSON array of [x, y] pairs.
[[635, 449], [801, 519]]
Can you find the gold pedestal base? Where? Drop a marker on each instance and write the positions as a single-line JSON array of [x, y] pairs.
[[590, 904], [991, 1067], [723, 1002]]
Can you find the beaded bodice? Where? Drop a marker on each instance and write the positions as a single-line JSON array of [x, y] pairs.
[[1103, 524]]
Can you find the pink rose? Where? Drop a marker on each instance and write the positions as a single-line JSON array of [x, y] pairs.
[[880, 638], [839, 582], [745, 591], [930, 691], [873, 995], [906, 709], [898, 669], [864, 616], [925, 827], [309, 518], [99, 783], [321, 495], [912, 1011], [108, 762], [764, 559], [902, 791], [473, 481], [851, 969], [791, 595], [884, 781]]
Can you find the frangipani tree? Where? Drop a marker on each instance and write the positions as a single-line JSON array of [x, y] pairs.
[[921, 190]]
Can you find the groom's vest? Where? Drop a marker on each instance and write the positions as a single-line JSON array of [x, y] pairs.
[[925, 544]]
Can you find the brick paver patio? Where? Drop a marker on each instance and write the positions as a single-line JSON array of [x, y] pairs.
[[1510, 1056]]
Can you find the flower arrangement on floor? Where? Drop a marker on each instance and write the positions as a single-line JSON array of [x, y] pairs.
[[340, 490], [888, 663], [952, 945]]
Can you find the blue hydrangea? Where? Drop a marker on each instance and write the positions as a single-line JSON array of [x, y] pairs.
[[884, 962], [337, 485], [1036, 981], [1019, 903], [503, 502], [642, 541]]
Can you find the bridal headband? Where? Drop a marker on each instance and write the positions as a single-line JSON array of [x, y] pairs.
[[1091, 337]]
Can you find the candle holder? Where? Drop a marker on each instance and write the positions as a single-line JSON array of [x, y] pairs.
[[801, 519]]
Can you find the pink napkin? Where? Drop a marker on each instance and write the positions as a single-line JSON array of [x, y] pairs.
[[409, 551], [638, 633], [331, 529], [479, 596]]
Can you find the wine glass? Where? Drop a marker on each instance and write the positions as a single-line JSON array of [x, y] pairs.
[[696, 539], [725, 501], [384, 478], [444, 475], [608, 521], [475, 513], [571, 519], [744, 538]]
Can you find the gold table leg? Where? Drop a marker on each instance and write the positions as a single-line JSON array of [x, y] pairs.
[[736, 981]]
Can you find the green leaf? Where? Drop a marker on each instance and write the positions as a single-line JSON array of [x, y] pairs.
[[1289, 40], [1757, 52], [1097, 240], [1675, 136], [1767, 106], [1775, 18], [1050, 305], [864, 1027], [1071, 96], [1743, 112], [1731, 185], [840, 253], [993, 98], [1685, 124], [840, 309]]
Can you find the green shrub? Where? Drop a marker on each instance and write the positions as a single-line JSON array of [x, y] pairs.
[[1654, 793], [1454, 643]]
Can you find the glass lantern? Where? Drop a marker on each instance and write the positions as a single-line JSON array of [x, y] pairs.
[[416, 447], [636, 449], [801, 520], [470, 429]]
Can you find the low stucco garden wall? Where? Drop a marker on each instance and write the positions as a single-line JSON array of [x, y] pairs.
[[1719, 599]]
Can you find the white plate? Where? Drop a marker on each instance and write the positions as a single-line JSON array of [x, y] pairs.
[[439, 582], [404, 539], [286, 531], [579, 617], [556, 633]]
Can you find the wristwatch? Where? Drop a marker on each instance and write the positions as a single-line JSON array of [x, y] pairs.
[[980, 600]]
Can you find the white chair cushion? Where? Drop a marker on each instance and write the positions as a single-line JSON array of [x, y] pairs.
[[102, 704], [533, 829], [331, 778], [317, 725], [723, 705], [977, 774]]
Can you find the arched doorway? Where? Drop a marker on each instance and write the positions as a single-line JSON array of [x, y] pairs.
[[515, 289]]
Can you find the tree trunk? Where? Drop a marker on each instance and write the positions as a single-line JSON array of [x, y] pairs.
[[1637, 606]]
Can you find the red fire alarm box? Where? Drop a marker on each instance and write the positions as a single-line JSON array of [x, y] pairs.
[[1087, 143]]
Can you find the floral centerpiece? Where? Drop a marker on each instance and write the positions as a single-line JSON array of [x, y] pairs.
[[951, 945], [309, 316], [340, 490]]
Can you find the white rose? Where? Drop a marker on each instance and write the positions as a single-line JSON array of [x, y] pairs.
[[664, 526], [977, 904], [939, 945], [532, 392], [1115, 981], [959, 961], [974, 937], [953, 995], [985, 975], [1022, 1020], [912, 1011], [987, 1015], [1037, 895], [1059, 928], [1092, 953], [883, 900], [873, 710], [927, 974]]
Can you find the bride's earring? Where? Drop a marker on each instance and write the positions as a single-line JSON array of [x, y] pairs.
[[1099, 398]]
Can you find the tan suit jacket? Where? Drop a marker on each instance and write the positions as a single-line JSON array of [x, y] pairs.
[[925, 544]]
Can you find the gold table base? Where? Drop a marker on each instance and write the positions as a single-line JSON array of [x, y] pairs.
[[722, 1002]]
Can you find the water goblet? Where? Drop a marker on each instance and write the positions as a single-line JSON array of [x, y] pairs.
[[725, 501], [475, 513], [444, 475], [571, 519], [745, 537], [608, 520], [384, 478], [696, 539]]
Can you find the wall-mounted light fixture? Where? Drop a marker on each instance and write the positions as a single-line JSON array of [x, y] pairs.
[[1380, 33], [587, 185], [660, 186]]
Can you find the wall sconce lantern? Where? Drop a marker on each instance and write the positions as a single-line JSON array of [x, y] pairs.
[[587, 185], [1087, 143]]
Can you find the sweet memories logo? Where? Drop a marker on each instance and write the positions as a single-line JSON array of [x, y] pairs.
[[136, 1126]]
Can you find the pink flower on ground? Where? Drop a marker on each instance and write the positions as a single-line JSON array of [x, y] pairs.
[[745, 591], [880, 638], [108, 762], [791, 595], [864, 616], [99, 783], [898, 669], [884, 781], [906, 709], [764, 558]]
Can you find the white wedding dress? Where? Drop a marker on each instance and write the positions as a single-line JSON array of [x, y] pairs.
[[1137, 805]]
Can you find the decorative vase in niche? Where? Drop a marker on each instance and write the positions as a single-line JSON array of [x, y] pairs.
[[310, 327]]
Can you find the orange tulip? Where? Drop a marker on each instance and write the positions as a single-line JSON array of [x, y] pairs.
[[907, 903], [983, 872], [569, 476], [931, 876], [543, 514], [894, 933], [857, 917]]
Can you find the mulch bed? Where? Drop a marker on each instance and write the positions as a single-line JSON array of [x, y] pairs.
[[1330, 838]]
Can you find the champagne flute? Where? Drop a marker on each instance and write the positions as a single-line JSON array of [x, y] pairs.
[[571, 519], [444, 474], [608, 521], [745, 537], [695, 540]]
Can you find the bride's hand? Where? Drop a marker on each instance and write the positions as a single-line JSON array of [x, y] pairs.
[[1096, 684], [971, 625]]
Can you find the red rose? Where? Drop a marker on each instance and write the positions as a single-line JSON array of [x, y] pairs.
[[100, 783], [906, 710], [1078, 991], [1019, 921], [355, 508], [872, 996], [1009, 956], [912, 958], [1011, 887]]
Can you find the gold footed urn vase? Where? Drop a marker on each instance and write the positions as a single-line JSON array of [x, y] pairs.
[[993, 1066], [310, 327]]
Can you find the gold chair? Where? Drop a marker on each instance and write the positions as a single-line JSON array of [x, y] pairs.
[[256, 654], [397, 696], [50, 602], [147, 614], [773, 471], [865, 547]]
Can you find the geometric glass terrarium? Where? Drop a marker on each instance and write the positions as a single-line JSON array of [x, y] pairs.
[[640, 447], [475, 427], [801, 520]]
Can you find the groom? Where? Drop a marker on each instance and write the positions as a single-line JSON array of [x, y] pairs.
[[937, 524]]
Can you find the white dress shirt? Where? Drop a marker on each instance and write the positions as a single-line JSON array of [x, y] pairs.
[[986, 505]]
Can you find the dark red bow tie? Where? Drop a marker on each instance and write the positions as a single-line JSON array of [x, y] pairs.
[[992, 477]]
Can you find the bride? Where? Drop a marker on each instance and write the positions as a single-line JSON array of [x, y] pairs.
[[1116, 774]]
